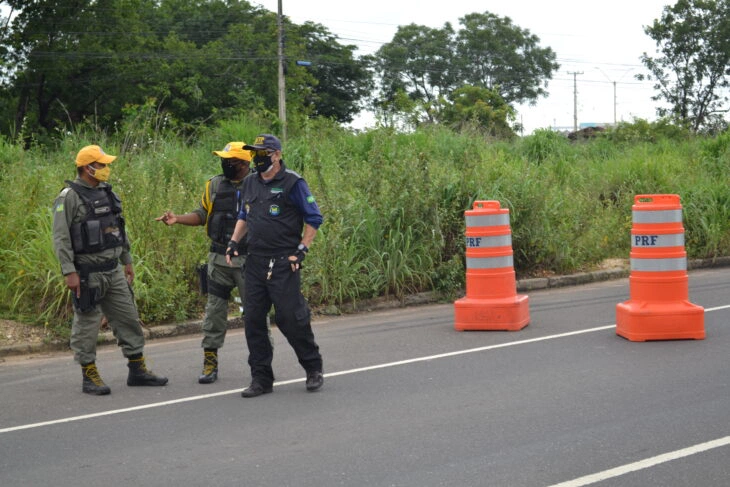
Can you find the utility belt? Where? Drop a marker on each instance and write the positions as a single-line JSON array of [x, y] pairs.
[[106, 266], [276, 256], [217, 248]]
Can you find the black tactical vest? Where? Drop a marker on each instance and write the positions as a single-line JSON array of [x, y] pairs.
[[103, 226], [274, 223], [223, 216]]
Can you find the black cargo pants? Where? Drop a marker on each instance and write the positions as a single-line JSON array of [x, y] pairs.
[[270, 280]]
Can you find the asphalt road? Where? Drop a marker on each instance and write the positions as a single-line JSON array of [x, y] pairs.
[[407, 401]]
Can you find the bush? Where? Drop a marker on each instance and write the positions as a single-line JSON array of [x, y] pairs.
[[393, 204]]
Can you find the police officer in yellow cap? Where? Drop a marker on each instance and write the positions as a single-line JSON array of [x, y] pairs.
[[218, 210], [91, 243]]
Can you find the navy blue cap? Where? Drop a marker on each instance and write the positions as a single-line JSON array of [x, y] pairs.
[[264, 142]]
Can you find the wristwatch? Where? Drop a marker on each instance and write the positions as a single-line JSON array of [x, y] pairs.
[[302, 248]]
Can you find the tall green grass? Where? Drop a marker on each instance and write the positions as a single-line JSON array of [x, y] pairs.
[[393, 204]]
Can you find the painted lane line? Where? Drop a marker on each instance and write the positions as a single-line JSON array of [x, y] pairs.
[[294, 381], [649, 462], [464, 352], [717, 308], [331, 374], [645, 463]]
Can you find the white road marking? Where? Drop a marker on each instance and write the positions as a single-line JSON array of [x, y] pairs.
[[579, 482], [717, 308], [294, 381], [649, 462], [645, 463]]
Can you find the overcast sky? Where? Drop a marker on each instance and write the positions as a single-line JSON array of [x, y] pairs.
[[601, 40]]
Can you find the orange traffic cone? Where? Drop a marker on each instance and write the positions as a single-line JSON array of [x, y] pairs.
[[491, 301], [659, 307]]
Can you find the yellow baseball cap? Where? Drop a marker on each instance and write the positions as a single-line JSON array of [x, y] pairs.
[[91, 154], [234, 150]]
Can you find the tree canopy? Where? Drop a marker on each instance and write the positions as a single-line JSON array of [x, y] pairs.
[[68, 61], [488, 52], [693, 62]]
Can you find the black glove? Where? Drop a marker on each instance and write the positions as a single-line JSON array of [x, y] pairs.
[[232, 248], [300, 254]]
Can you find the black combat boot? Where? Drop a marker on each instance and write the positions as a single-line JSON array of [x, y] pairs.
[[139, 375], [92, 383], [315, 379], [210, 366]]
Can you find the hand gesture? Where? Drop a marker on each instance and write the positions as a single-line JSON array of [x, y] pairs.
[[168, 218]]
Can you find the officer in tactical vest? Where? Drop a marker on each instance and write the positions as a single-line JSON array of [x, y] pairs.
[[279, 220], [90, 241], [218, 210]]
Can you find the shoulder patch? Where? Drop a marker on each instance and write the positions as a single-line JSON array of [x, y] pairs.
[[310, 199], [60, 200]]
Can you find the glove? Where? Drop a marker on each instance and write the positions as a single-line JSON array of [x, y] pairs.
[[232, 248], [300, 254]]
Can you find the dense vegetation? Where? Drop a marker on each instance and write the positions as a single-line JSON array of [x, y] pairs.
[[393, 205], [70, 62]]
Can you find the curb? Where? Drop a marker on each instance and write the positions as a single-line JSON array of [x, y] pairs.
[[523, 285]]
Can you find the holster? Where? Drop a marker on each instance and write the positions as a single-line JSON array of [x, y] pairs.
[[202, 271], [89, 295]]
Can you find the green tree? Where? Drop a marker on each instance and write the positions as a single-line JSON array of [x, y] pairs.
[[488, 52], [68, 61], [496, 54], [481, 107], [71, 59], [693, 62], [342, 80], [418, 61]]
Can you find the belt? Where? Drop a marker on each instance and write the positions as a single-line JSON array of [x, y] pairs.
[[106, 266], [217, 248]]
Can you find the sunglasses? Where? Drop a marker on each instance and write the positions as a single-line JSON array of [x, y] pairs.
[[263, 152]]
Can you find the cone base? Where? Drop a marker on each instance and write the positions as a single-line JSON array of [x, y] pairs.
[[640, 321], [509, 314]]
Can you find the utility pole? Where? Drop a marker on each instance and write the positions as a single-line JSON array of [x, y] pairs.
[[575, 98], [282, 83], [614, 103], [614, 93]]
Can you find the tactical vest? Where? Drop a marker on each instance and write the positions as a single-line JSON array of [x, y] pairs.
[[223, 215], [274, 222], [103, 226]]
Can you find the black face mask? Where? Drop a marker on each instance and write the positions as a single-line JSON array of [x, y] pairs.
[[229, 170], [262, 163]]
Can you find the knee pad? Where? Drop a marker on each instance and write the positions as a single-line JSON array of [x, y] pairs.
[[219, 290]]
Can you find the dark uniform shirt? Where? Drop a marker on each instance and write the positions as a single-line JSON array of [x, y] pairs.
[[205, 209], [275, 212]]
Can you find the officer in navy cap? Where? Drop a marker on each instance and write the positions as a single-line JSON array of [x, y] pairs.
[[279, 221]]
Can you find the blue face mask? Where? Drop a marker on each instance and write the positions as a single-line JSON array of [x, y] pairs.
[[262, 163]]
